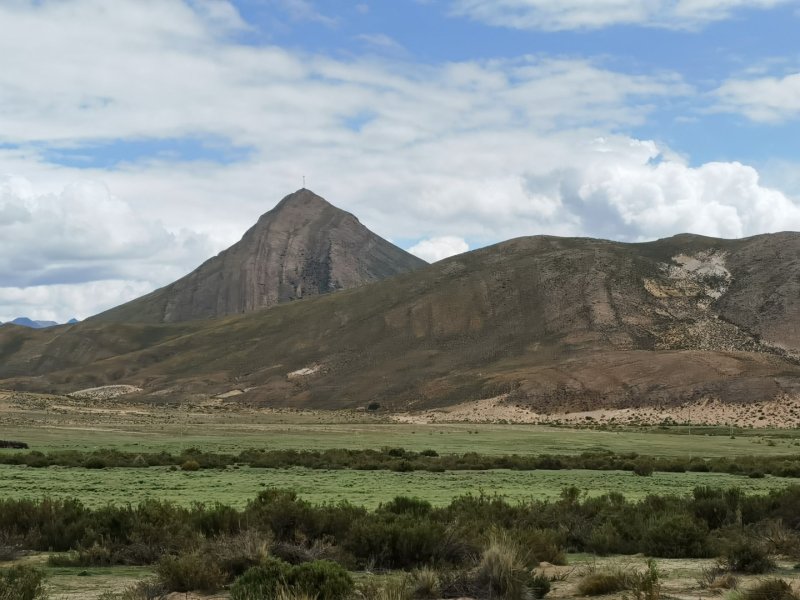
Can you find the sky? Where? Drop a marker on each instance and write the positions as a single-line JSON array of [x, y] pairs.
[[140, 137]]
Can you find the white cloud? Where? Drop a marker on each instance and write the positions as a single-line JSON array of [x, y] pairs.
[[66, 301], [439, 248], [622, 194], [381, 41], [559, 15], [304, 10], [763, 99], [476, 150], [83, 235]]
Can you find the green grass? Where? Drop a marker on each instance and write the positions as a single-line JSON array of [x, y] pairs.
[[220, 436], [367, 488]]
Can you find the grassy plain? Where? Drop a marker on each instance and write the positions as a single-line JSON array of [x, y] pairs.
[[54, 423], [368, 488]]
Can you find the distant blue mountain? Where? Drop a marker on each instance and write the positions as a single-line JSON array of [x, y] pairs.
[[26, 322]]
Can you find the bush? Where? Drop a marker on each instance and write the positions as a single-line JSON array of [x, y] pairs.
[[771, 589], [676, 536], [540, 586], [190, 572], [716, 579], [262, 581], [647, 585], [746, 555], [22, 583], [643, 468], [600, 584], [190, 465], [321, 579], [235, 554]]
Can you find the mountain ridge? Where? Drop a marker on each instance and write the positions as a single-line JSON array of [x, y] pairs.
[[554, 324]]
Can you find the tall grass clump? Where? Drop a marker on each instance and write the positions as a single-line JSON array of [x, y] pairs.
[[504, 569], [425, 584], [771, 589], [22, 583]]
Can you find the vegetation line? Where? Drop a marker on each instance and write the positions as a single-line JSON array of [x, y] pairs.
[[402, 460]]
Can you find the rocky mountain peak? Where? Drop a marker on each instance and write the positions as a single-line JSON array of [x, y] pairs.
[[304, 246]]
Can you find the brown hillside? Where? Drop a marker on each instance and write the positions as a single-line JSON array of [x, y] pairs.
[[558, 324]]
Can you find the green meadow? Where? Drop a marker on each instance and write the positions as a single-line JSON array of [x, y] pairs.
[[217, 435], [97, 487]]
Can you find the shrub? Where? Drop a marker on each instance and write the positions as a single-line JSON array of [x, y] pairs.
[[600, 584], [190, 572], [190, 465], [746, 555], [540, 586], [643, 468], [771, 589], [404, 505], [605, 539], [262, 581], [647, 585], [22, 583], [541, 545], [716, 580], [321, 579], [676, 536], [234, 554]]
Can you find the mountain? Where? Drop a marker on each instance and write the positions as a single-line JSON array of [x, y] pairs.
[[548, 323], [26, 322], [303, 247]]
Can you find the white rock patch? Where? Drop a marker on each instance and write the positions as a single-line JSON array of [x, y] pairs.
[[305, 372], [105, 392]]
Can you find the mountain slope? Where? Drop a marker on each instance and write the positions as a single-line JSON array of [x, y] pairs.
[[303, 247], [551, 323]]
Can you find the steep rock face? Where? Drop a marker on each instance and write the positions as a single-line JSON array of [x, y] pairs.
[[303, 247]]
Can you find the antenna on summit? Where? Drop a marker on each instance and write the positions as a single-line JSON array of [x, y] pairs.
[[304, 182]]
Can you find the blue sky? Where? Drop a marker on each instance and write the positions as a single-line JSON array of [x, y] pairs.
[[137, 141]]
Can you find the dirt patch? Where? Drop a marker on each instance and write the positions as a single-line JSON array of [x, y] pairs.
[[781, 413]]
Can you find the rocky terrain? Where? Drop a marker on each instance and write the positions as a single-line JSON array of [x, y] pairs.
[[548, 325]]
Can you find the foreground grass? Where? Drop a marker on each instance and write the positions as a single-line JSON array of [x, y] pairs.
[[365, 488]]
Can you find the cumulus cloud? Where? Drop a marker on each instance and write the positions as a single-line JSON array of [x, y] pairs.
[[473, 150], [594, 14], [763, 99], [439, 248], [62, 302], [622, 193], [83, 235]]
